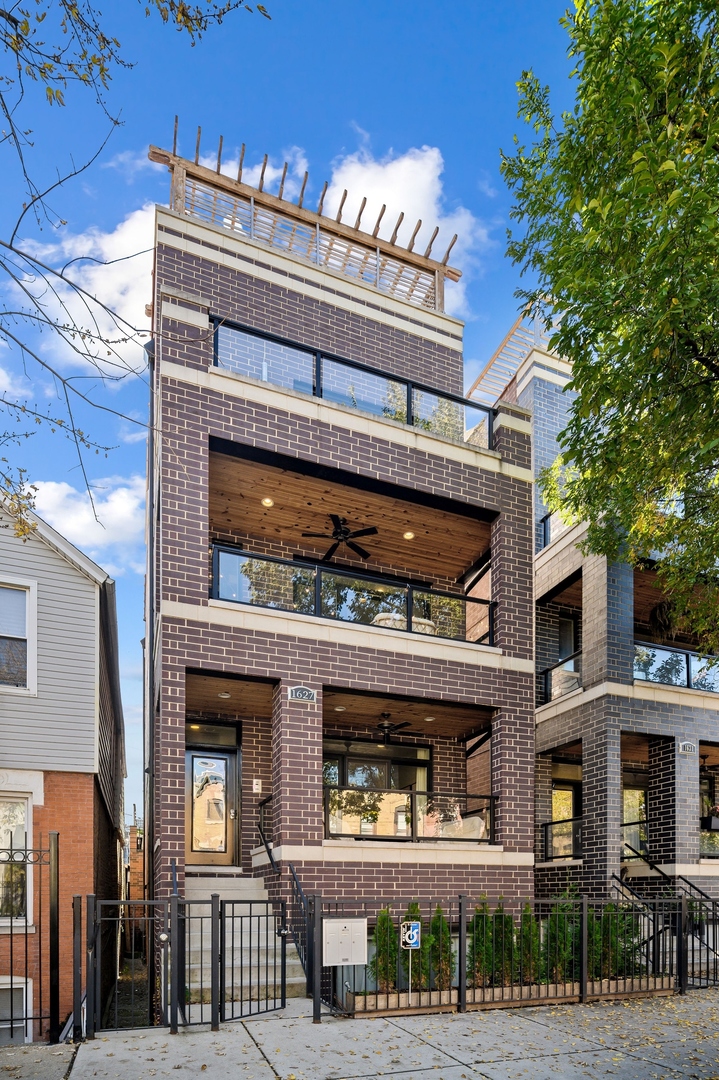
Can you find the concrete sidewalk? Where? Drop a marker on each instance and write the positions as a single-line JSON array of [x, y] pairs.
[[646, 1039]]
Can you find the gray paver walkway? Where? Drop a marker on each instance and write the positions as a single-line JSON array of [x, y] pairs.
[[36, 1061], [647, 1039]]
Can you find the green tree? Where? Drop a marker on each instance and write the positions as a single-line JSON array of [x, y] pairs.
[[383, 965], [528, 946], [618, 207], [441, 955]]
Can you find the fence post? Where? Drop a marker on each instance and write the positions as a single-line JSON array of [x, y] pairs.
[[215, 960], [583, 947], [283, 952], [223, 956], [683, 946], [77, 969], [174, 961], [462, 958], [90, 969], [54, 941], [317, 959]]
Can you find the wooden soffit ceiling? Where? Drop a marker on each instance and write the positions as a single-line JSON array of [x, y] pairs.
[[248, 697], [444, 544], [365, 710]]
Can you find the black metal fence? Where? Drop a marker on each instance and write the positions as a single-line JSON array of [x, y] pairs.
[[30, 944], [179, 962], [476, 954]]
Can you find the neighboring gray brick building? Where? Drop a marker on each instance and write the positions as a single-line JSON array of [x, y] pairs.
[[371, 705], [627, 727]]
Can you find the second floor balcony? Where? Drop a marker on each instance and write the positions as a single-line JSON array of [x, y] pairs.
[[675, 666], [304, 588]]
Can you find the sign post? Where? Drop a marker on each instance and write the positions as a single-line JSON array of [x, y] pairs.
[[410, 938]]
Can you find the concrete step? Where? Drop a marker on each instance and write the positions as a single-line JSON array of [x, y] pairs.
[[230, 885]]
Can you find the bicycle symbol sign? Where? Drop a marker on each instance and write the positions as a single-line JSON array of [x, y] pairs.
[[410, 934]]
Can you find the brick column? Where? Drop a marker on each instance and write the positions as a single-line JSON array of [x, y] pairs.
[[170, 780], [297, 814], [602, 802], [513, 776], [542, 801], [607, 622], [673, 802]]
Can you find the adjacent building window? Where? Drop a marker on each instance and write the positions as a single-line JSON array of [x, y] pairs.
[[13, 875], [13, 636]]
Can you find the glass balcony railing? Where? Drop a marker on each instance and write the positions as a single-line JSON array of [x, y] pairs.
[[675, 667], [634, 840], [310, 589], [561, 678], [371, 814], [356, 386], [562, 839]]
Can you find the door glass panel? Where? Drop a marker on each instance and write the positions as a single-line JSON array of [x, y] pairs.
[[635, 804], [562, 804], [209, 803], [367, 774]]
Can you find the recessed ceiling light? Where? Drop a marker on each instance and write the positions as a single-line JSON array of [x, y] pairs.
[[429, 719], [268, 502], [340, 708], [224, 694], [409, 535]]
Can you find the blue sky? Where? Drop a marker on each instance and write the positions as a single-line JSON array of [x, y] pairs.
[[408, 101]]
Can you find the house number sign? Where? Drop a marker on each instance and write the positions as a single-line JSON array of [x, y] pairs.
[[687, 748], [302, 693]]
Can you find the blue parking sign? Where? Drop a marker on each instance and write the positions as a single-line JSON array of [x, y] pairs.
[[410, 934]]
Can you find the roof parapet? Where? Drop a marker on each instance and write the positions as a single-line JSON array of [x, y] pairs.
[[217, 199]]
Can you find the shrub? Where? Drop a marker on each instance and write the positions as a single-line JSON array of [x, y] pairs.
[[383, 965], [441, 955]]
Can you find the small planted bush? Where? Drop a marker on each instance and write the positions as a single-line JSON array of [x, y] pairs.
[[441, 955], [383, 965]]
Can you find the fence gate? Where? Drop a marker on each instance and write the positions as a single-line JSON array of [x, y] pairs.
[[30, 947], [178, 962]]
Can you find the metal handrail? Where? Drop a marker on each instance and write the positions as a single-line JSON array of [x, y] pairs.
[[320, 355], [261, 829], [374, 579], [412, 795], [547, 671]]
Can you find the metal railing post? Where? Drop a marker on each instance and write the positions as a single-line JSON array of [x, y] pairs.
[[223, 956], [317, 959], [77, 969], [583, 947], [683, 946], [174, 961], [54, 955], [410, 405], [91, 939], [283, 952], [462, 957], [215, 960]]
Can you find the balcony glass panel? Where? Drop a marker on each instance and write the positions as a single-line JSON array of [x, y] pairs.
[[709, 844], [704, 676], [269, 361], [565, 678], [369, 813], [449, 617], [453, 817], [634, 834], [440, 415], [563, 839], [364, 391], [266, 583], [655, 664], [361, 601]]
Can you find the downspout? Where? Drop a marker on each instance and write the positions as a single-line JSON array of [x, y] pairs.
[[149, 711]]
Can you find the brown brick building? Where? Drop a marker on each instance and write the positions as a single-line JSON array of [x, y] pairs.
[[340, 588]]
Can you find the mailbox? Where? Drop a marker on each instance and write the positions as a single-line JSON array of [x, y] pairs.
[[345, 942]]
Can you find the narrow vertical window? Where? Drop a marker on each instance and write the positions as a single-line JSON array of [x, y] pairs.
[[13, 636]]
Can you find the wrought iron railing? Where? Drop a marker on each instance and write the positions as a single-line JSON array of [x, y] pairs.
[[262, 829], [675, 666], [345, 382], [562, 677], [372, 814], [312, 589], [562, 839], [635, 840]]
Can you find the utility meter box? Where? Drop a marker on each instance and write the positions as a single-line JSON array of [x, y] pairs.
[[345, 942]]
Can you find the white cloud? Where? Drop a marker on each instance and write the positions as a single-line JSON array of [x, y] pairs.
[[131, 163], [409, 183], [115, 538], [296, 168], [114, 268]]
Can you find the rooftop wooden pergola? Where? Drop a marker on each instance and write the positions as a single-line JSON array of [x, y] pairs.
[[213, 197]]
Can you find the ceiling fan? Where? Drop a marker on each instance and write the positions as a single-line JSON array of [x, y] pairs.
[[341, 534], [387, 728]]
